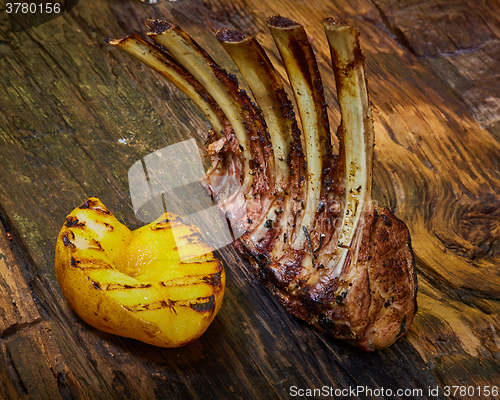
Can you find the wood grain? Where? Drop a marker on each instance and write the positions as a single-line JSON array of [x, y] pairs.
[[76, 114], [459, 41]]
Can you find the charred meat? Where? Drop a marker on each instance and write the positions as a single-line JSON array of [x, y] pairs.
[[301, 215]]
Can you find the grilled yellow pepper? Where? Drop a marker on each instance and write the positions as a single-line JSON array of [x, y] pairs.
[[160, 284]]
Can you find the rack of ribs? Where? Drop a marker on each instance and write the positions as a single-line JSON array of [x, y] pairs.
[[301, 215]]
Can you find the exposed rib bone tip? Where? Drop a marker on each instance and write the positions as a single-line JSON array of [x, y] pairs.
[[230, 35], [277, 21], [337, 23], [158, 27]]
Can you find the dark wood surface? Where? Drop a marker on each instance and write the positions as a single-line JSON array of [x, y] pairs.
[[67, 101]]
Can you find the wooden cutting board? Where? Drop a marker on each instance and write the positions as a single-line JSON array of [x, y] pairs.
[[76, 114]]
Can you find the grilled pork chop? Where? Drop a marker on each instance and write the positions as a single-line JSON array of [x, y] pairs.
[[300, 214]]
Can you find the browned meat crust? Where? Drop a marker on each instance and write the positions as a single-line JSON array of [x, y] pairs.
[[301, 215]]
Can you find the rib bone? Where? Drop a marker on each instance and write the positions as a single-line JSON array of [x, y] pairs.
[[269, 93], [303, 73], [356, 130], [223, 89], [165, 65]]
